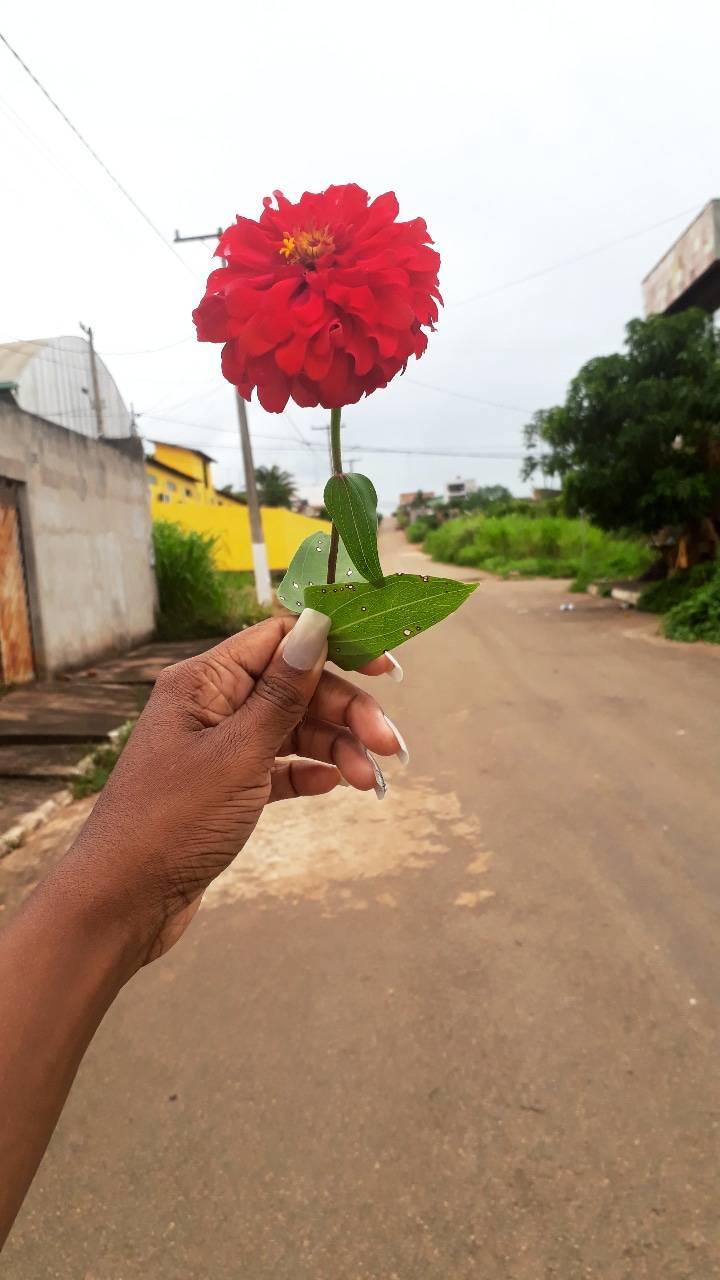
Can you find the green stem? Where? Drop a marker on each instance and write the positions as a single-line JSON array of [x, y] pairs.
[[335, 446], [336, 453]]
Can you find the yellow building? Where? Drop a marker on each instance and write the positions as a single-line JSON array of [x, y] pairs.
[[182, 492]]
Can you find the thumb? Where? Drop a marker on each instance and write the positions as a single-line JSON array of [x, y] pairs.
[[282, 693]]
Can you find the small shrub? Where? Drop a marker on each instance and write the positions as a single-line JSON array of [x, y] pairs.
[[195, 599], [697, 617], [662, 596], [420, 528]]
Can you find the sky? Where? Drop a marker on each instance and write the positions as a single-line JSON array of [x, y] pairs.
[[526, 134]]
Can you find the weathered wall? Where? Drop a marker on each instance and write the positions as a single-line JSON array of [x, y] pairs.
[[86, 533]]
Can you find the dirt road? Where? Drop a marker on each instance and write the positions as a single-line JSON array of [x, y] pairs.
[[468, 1032]]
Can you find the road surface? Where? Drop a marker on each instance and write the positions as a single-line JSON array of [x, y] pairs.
[[468, 1032]]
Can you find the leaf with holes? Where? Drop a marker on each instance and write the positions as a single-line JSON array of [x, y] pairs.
[[367, 620], [352, 503], [308, 567]]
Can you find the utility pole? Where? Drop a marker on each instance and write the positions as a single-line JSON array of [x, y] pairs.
[[326, 429], [96, 401], [263, 586]]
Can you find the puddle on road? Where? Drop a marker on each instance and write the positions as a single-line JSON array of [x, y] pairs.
[[317, 848]]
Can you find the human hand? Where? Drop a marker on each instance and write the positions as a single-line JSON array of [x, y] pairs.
[[207, 755]]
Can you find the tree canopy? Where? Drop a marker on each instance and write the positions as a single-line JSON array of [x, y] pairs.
[[637, 441], [276, 488]]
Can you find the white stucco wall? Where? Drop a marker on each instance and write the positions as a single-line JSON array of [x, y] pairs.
[[87, 535]]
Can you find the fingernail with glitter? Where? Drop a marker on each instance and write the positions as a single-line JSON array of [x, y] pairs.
[[380, 783]]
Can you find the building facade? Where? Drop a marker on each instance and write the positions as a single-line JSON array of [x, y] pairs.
[[76, 578], [182, 492]]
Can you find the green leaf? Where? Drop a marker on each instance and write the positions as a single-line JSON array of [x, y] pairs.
[[352, 503], [309, 566], [367, 620]]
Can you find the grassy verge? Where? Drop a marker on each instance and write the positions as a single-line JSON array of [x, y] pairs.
[[697, 615], [545, 546], [104, 759], [195, 599]]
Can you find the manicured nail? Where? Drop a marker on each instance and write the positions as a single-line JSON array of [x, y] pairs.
[[403, 754], [380, 783], [396, 672], [305, 643]]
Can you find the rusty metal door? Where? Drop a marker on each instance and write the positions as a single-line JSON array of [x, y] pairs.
[[16, 655]]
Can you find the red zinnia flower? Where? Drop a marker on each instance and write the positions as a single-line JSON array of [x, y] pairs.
[[320, 301]]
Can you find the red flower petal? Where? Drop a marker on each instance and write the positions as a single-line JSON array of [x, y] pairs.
[[323, 299]]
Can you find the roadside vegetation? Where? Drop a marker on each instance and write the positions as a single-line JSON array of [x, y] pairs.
[[195, 599], [102, 762], [689, 603], [550, 546]]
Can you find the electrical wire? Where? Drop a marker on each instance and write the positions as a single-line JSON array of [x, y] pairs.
[[509, 455], [295, 427], [578, 257], [123, 190], [149, 351], [462, 395]]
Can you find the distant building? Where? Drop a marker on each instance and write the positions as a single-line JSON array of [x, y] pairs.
[[542, 495], [53, 378], [688, 275], [182, 492], [417, 498], [459, 489]]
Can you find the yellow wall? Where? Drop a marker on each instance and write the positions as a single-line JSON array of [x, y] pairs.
[[206, 511], [284, 530]]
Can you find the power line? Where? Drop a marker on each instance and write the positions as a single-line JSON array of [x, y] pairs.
[[579, 257], [461, 395], [439, 453], [123, 190], [149, 351], [295, 427]]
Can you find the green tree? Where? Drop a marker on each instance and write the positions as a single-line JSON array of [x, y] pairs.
[[238, 494], [637, 441], [276, 488]]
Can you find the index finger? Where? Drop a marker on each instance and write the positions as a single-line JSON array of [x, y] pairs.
[[386, 665]]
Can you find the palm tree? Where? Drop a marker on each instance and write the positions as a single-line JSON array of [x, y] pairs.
[[276, 488]]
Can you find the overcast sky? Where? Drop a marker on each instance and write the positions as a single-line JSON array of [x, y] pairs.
[[525, 134]]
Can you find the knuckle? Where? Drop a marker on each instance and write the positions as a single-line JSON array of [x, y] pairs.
[[282, 695]]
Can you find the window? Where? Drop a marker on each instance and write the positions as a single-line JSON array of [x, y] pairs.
[[152, 479], [188, 493], [171, 486], [163, 497]]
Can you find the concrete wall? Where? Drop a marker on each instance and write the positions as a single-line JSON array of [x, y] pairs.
[[87, 538]]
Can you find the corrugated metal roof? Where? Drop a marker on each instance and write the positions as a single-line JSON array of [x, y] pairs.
[[54, 381]]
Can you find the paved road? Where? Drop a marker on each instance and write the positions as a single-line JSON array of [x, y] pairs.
[[469, 1032]]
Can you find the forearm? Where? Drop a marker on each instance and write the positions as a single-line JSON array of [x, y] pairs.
[[63, 960]]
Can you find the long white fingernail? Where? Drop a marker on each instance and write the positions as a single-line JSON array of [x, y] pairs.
[[396, 672], [305, 643], [403, 754], [380, 783]]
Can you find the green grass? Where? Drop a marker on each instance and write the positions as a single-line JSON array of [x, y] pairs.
[[103, 762], [545, 546], [662, 596], [697, 616], [195, 599], [420, 528]]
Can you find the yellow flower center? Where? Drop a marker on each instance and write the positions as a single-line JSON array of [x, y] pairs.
[[306, 246]]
